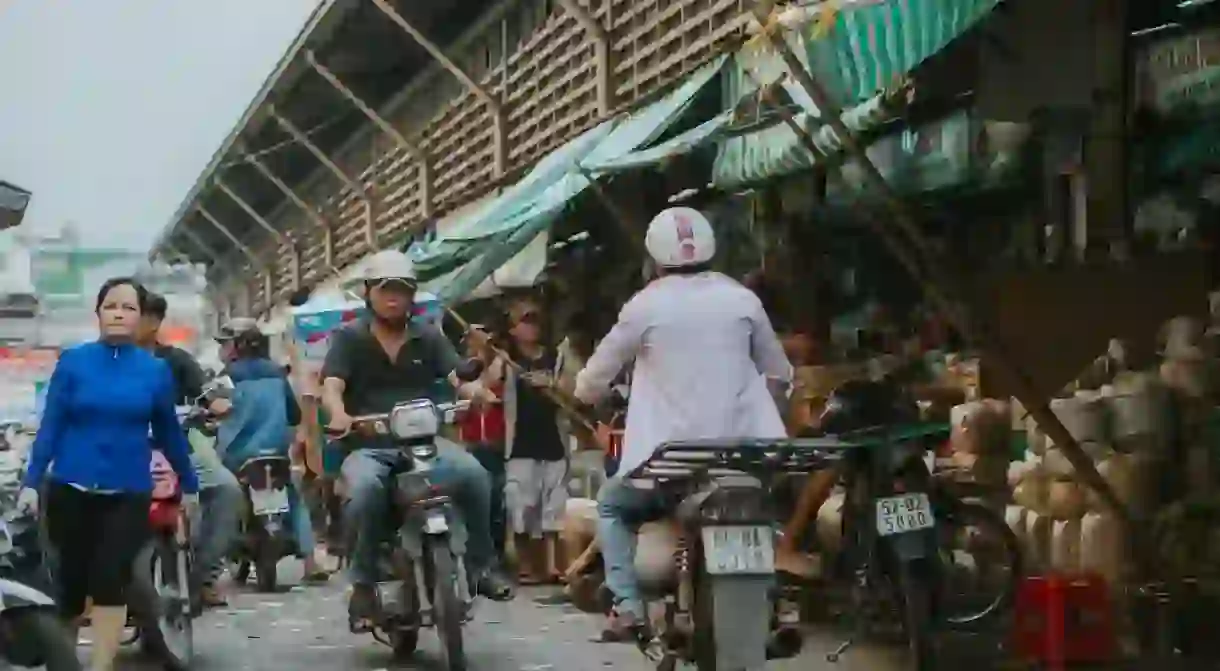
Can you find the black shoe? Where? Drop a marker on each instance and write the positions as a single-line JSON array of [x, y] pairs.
[[493, 585]]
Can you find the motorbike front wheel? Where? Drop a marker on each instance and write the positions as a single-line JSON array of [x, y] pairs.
[[915, 580], [39, 639], [447, 606], [160, 595]]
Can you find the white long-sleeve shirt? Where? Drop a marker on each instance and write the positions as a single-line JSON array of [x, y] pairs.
[[703, 349]]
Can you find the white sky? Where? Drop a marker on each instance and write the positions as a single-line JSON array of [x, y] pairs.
[[110, 109]]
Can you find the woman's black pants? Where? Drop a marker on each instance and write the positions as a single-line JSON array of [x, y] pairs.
[[96, 538]]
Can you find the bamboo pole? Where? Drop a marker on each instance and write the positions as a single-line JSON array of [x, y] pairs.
[[569, 406], [936, 281]]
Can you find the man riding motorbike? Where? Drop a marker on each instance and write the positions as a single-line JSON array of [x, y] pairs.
[[220, 496], [704, 350], [370, 366], [265, 410]]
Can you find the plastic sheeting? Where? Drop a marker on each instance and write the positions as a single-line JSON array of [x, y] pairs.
[[473, 250], [856, 51]]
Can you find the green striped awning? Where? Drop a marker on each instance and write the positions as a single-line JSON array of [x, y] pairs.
[[856, 50], [859, 48]]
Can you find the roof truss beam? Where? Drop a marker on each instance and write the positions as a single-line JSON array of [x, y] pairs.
[[282, 238], [421, 158], [493, 103], [370, 227], [263, 267], [311, 212]]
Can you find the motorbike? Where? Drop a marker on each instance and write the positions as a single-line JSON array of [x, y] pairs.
[[720, 602], [31, 633], [161, 597], [266, 527], [895, 518], [424, 576]]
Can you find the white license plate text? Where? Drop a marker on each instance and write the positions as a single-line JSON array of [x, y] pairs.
[[739, 550], [903, 514]]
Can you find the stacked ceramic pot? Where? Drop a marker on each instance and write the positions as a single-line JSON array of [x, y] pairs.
[[1064, 526]]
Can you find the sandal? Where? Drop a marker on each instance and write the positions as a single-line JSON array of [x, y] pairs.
[[318, 577], [362, 610]]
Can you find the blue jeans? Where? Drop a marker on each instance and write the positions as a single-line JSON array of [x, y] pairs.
[[302, 525], [366, 474], [221, 501], [621, 509]]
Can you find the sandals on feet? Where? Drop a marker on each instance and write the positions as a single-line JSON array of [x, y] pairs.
[[362, 610]]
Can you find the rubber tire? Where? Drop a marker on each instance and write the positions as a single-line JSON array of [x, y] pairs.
[[43, 626], [704, 633], [143, 595], [241, 574], [404, 642], [446, 607], [994, 525], [915, 581], [266, 569]]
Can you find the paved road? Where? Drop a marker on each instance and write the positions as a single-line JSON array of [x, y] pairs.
[[306, 628]]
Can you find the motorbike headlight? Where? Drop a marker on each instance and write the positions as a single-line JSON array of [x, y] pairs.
[[416, 419]]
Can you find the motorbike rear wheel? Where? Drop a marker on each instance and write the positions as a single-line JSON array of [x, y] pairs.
[[39, 632], [160, 595], [447, 606], [702, 617], [988, 524], [266, 571]]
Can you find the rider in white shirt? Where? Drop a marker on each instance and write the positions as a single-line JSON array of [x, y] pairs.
[[704, 351]]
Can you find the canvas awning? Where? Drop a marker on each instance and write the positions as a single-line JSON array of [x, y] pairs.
[[475, 248], [855, 50]]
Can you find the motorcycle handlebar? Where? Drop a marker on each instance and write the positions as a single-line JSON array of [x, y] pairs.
[[371, 421]]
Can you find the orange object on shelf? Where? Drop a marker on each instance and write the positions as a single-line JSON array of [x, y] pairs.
[[1063, 619]]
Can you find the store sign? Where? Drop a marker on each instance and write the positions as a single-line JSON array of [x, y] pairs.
[[1180, 70]]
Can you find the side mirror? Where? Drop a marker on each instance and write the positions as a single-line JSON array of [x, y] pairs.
[[469, 370], [219, 387]]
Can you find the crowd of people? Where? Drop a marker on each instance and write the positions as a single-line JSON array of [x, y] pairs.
[[89, 465]]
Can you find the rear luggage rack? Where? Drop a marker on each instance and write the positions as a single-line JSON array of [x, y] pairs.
[[682, 460]]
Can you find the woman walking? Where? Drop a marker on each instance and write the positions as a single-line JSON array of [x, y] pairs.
[[91, 459]]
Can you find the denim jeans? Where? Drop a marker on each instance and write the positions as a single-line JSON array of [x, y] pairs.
[[302, 523], [221, 500], [492, 459], [366, 474], [621, 509]]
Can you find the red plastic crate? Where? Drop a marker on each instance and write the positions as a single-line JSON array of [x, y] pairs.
[[1063, 619]]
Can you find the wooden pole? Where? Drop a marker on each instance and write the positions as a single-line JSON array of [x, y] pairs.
[[565, 404], [936, 281]]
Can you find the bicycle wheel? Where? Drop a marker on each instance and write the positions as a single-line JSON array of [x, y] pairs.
[[980, 567]]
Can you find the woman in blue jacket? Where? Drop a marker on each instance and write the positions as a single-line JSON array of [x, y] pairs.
[[91, 461]]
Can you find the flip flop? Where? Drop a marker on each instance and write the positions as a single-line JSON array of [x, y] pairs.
[[319, 577]]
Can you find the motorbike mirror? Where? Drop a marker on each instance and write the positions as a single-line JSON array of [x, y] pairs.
[[219, 387], [469, 370]]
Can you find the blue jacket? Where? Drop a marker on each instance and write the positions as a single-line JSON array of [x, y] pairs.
[[100, 404], [264, 411]]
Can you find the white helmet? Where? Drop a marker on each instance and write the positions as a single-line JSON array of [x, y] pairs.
[[680, 236], [390, 264]]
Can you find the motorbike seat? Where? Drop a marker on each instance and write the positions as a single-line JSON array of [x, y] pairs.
[[268, 472]]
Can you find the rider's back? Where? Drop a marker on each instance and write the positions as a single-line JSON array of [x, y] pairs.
[[705, 344], [264, 410]]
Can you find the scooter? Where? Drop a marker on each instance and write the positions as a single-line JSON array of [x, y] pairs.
[[266, 533], [424, 581], [161, 595], [31, 633], [721, 599]]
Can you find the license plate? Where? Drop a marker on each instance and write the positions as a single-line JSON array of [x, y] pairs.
[[435, 523], [739, 550], [902, 514], [269, 501]]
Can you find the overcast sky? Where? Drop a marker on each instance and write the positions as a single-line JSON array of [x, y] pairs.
[[109, 109]]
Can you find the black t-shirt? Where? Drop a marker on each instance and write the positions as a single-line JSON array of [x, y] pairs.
[[374, 383], [188, 376], [536, 434]]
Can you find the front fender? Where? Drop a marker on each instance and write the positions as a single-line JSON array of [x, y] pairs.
[[16, 595]]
